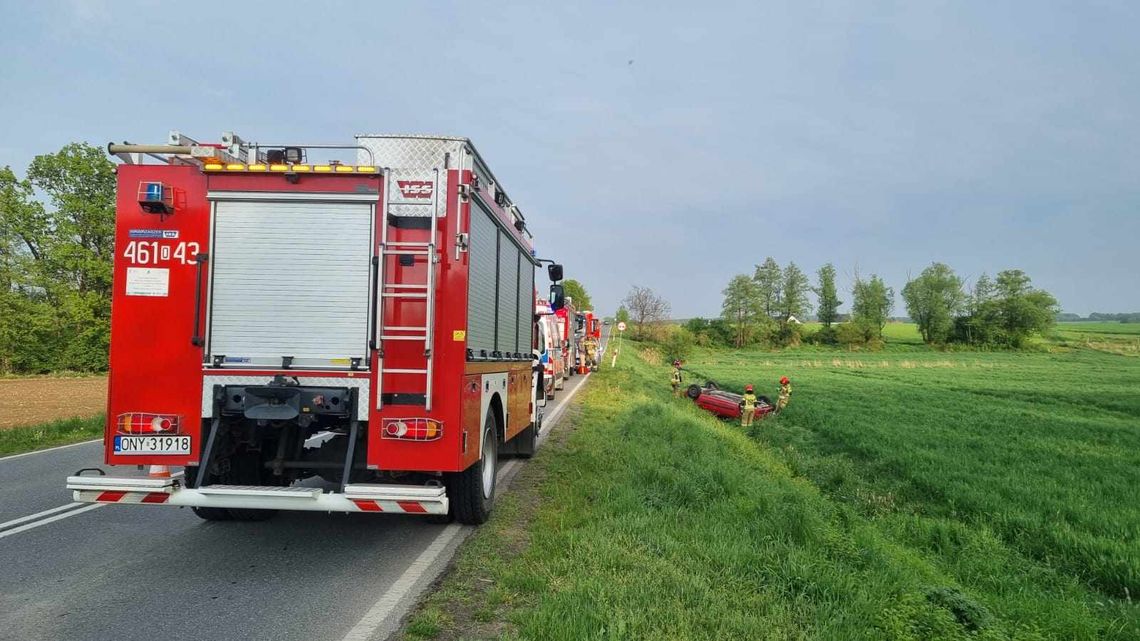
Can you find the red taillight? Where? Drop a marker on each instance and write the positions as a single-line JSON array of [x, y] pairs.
[[412, 429], [146, 423]]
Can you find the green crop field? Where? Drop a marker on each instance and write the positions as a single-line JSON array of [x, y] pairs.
[[1030, 459], [905, 494], [1114, 338]]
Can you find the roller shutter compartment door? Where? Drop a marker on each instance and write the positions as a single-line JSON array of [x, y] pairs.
[[526, 305], [483, 265], [508, 295], [291, 279]]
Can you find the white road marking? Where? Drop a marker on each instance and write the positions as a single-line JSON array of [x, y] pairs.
[[33, 517], [50, 519], [383, 609], [384, 613], [50, 449]]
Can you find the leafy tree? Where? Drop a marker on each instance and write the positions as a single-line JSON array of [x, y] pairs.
[[622, 315], [741, 307], [794, 290], [55, 262], [1023, 310], [576, 292], [872, 305], [769, 282], [933, 300], [828, 297], [646, 308]]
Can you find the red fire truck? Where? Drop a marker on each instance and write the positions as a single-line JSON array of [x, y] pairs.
[[566, 320], [277, 319]]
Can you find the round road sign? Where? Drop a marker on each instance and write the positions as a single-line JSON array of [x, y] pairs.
[[621, 326]]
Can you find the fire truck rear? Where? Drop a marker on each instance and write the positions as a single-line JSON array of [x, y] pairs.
[[317, 336]]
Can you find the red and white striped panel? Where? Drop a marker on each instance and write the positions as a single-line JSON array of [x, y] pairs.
[[372, 505], [126, 497]]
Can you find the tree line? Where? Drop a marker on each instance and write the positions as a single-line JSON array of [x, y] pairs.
[[767, 306], [56, 246]]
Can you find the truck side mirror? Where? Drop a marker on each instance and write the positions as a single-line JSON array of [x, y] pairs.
[[557, 296], [554, 270]]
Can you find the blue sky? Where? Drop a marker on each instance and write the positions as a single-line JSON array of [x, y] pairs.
[[666, 145]]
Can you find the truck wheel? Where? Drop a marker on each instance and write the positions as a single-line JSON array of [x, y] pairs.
[[693, 391], [473, 490], [206, 513], [246, 469]]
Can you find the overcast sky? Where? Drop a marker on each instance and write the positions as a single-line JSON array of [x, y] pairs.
[[666, 145]]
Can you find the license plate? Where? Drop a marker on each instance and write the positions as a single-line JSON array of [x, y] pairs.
[[129, 445]]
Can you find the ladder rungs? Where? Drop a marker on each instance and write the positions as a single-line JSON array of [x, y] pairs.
[[388, 337], [407, 243], [405, 286], [403, 371], [405, 252], [402, 295], [407, 328]]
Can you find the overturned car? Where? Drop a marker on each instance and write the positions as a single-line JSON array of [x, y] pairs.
[[726, 404]]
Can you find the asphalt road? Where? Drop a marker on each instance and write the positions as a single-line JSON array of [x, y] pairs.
[[139, 572]]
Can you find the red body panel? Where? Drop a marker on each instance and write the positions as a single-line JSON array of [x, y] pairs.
[[153, 365]]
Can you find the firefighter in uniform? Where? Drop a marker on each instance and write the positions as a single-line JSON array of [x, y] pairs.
[[591, 346], [747, 406], [676, 378], [785, 394]]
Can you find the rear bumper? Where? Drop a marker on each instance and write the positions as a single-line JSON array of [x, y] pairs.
[[397, 499]]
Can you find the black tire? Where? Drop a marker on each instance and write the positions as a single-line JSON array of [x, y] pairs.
[[763, 399], [245, 469], [525, 443], [471, 499], [693, 391], [711, 385], [205, 513]]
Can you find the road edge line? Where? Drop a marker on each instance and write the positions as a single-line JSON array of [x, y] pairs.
[[32, 517], [386, 606], [49, 449], [51, 519]]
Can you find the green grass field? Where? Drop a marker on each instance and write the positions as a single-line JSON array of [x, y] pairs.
[[25, 438], [903, 495]]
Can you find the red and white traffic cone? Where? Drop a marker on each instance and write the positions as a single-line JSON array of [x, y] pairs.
[[159, 472]]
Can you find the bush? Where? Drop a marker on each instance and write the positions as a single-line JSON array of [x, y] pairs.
[[824, 336], [677, 343]]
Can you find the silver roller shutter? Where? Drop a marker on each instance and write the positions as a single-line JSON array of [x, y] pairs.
[[525, 304], [481, 288], [290, 279], [508, 294]]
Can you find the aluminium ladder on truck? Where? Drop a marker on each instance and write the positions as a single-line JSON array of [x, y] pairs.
[[398, 293]]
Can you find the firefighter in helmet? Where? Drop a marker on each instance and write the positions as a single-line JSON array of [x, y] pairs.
[[675, 380], [747, 406], [785, 394]]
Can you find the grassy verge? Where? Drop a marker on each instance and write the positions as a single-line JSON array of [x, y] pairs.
[[645, 518], [26, 438]]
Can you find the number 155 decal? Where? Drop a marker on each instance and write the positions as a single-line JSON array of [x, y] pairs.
[[156, 253]]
